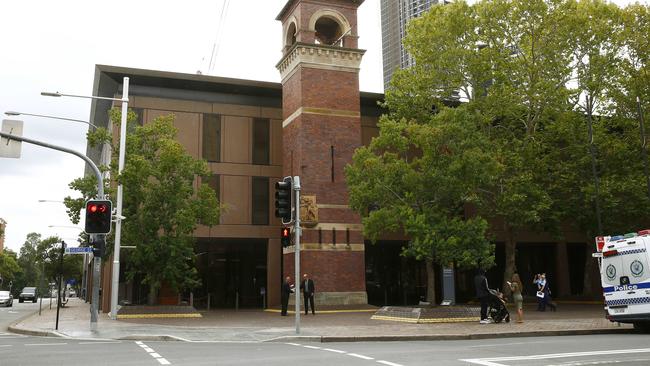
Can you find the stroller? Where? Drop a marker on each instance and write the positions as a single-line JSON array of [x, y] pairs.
[[497, 307]]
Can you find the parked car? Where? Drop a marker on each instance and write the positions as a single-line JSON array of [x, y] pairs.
[[28, 293], [6, 299], [72, 293]]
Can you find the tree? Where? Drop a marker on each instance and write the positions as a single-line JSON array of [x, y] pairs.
[[161, 206], [8, 267], [416, 177], [28, 259]]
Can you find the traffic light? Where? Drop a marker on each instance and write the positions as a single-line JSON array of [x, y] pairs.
[[98, 216], [283, 199], [99, 246], [285, 237]]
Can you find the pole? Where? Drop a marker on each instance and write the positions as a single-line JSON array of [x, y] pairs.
[[115, 278], [58, 299], [644, 152], [40, 304], [296, 231]]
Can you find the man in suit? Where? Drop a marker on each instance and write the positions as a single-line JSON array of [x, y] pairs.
[[307, 287], [287, 289]]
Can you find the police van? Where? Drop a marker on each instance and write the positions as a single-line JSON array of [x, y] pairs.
[[625, 276]]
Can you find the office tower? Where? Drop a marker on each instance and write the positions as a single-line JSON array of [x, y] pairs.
[[395, 15]]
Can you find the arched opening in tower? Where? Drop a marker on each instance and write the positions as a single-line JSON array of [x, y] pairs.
[[328, 32]]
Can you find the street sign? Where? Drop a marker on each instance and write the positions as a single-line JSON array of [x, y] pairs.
[[78, 250], [11, 148]]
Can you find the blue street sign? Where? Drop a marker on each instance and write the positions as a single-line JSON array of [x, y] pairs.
[[78, 250]]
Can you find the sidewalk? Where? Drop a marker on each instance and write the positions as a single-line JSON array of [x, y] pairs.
[[264, 326]]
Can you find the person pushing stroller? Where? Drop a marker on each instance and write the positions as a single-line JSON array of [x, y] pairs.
[[490, 299]]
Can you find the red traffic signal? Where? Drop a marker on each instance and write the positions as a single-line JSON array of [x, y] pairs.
[[285, 237], [98, 216]]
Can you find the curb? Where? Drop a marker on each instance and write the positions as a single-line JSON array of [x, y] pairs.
[[456, 337]]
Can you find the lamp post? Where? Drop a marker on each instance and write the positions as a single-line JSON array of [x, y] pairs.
[[115, 278], [14, 113]]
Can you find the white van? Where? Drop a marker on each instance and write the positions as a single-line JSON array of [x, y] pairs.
[[625, 276]]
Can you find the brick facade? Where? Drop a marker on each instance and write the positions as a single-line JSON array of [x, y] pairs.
[[321, 131]]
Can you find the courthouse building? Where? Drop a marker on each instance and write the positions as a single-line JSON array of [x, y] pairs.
[[252, 134]]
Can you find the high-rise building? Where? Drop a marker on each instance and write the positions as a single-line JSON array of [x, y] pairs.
[[395, 15], [3, 225]]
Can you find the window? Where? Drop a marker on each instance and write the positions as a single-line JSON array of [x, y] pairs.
[[212, 137], [214, 182], [260, 201], [261, 141]]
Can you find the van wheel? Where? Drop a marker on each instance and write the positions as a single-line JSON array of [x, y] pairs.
[[643, 327], [20, 300]]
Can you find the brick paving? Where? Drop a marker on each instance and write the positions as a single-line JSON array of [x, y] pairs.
[[258, 325]]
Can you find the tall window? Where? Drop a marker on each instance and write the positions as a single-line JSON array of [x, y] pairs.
[[261, 141], [260, 201], [214, 183], [212, 137]]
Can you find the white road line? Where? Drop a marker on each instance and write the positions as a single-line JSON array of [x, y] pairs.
[[333, 350], [388, 363], [153, 353], [6, 345], [360, 356], [99, 342], [44, 344], [312, 347], [503, 344], [495, 360], [293, 344]]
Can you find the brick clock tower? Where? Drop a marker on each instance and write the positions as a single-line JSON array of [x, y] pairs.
[[321, 130]]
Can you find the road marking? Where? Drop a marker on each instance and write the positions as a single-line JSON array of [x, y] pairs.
[[99, 342], [153, 353], [6, 345], [333, 350], [503, 344], [360, 356], [44, 344], [388, 363], [494, 361]]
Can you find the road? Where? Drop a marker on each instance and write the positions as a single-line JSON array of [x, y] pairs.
[[17, 311], [535, 351]]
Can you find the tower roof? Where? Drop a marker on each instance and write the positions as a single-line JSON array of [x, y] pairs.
[[290, 3]]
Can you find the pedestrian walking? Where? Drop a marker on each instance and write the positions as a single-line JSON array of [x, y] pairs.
[[287, 289], [308, 289], [516, 287], [482, 293], [548, 299]]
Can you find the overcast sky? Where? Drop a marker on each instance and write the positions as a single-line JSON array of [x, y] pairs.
[[54, 46]]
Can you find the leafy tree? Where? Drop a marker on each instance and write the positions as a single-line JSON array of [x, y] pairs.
[[161, 205], [50, 260], [8, 267], [417, 177], [28, 262]]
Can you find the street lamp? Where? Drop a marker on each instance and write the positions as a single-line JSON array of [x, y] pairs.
[[115, 278], [14, 113]]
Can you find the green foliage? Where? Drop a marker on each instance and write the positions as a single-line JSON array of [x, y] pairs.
[[8, 267], [415, 178], [160, 202]]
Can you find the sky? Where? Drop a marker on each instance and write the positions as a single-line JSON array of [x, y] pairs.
[[54, 46]]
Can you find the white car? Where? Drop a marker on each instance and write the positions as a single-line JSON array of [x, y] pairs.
[[6, 299]]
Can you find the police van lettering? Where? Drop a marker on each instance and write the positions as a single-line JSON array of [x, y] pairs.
[[626, 287]]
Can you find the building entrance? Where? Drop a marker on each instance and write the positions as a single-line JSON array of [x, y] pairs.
[[392, 279], [232, 273]]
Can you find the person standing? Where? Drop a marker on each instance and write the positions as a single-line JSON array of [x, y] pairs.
[[307, 287], [482, 293], [515, 287], [287, 289]]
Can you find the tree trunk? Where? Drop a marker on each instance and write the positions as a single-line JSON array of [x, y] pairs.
[[590, 267], [152, 296], [431, 282], [510, 248]]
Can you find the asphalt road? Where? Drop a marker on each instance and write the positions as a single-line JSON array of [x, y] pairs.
[[535, 351], [17, 311]]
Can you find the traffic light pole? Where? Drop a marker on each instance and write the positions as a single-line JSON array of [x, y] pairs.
[[296, 231], [100, 193]]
